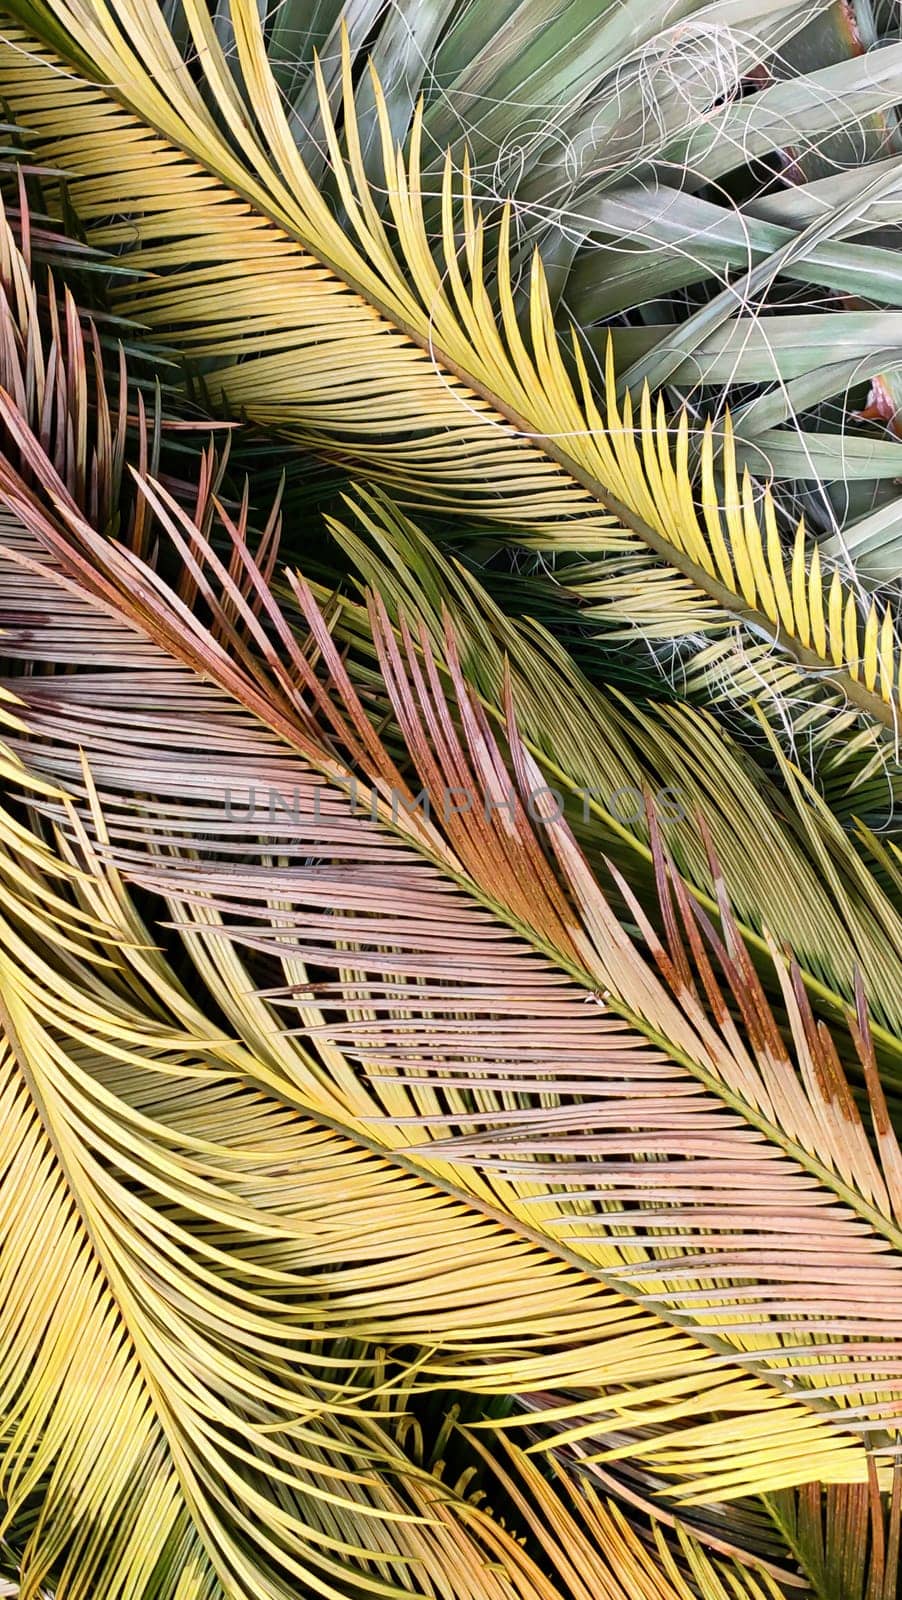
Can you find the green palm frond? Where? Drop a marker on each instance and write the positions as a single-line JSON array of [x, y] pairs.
[[451, 401], [846, 1541], [606, 754]]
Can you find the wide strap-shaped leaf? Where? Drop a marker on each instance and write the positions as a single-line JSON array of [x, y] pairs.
[[448, 399]]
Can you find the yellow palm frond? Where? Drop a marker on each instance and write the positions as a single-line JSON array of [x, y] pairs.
[[597, 1553], [356, 337], [129, 1358], [169, 707], [318, 919], [197, 1281], [187, 1252]]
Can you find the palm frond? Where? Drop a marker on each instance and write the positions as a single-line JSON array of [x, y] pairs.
[[392, 974], [328, 1078], [846, 1540], [181, 1388], [596, 1552], [608, 754], [352, 1081], [448, 395]]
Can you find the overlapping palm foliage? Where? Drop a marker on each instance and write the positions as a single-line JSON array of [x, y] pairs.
[[197, 178], [421, 1176]]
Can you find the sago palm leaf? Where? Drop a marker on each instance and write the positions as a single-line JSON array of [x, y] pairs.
[[79, 629], [191, 1431], [607, 754], [355, 338], [654, 155], [220, 908], [856, 775], [595, 1552], [199, 1202], [327, 1081], [131, 1031], [193, 1275], [847, 1541], [604, 754]]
